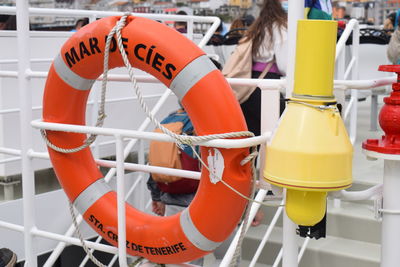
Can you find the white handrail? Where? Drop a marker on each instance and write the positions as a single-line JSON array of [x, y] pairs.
[[93, 14], [223, 143]]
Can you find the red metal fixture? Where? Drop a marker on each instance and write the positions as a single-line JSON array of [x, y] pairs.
[[389, 119]]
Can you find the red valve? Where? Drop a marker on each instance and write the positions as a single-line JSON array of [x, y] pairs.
[[389, 119]]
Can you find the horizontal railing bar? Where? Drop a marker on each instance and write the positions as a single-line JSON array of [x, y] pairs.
[[13, 159], [99, 14], [74, 241], [151, 169], [33, 60], [262, 83], [10, 151], [58, 237], [8, 74], [222, 143], [91, 102]]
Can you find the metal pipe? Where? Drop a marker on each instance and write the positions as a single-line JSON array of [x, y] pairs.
[[13, 159], [278, 258], [10, 74], [354, 76], [25, 102], [390, 255], [253, 210], [349, 108], [289, 242], [224, 143], [295, 12], [99, 14], [349, 68], [265, 84], [121, 201], [143, 187], [341, 44], [303, 249], [151, 169], [74, 241], [10, 151], [266, 236], [358, 195]]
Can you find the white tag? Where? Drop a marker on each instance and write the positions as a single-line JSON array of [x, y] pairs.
[[216, 165]]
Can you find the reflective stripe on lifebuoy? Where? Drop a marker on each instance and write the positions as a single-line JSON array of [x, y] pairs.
[[181, 65]]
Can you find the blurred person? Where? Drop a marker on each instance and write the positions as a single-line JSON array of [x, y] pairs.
[[238, 29], [8, 22], [218, 37], [318, 9], [393, 50], [248, 20], [238, 24], [80, 23], [269, 36], [389, 22], [181, 26], [7, 258]]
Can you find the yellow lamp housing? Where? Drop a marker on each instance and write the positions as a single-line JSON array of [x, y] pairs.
[[310, 152]]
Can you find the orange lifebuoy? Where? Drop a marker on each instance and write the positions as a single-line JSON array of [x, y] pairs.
[[182, 66]]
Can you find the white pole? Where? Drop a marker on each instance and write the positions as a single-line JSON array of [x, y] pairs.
[[354, 93], [295, 12], [253, 210], [121, 201], [390, 255], [266, 236], [289, 245], [25, 96]]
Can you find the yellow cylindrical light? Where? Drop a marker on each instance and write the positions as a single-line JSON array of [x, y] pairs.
[[305, 207], [310, 152], [315, 58]]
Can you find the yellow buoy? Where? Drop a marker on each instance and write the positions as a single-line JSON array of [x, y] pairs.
[[310, 152]]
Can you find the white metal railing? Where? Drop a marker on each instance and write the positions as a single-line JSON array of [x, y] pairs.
[[24, 73], [351, 28]]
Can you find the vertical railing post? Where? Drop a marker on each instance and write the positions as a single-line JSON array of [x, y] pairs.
[[390, 220], [190, 27], [354, 76], [341, 69], [289, 243], [25, 98], [121, 201], [94, 115], [295, 12], [142, 183]]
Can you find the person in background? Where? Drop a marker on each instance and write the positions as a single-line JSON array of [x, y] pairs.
[[7, 258], [80, 23], [181, 26], [8, 22], [248, 20], [338, 12], [393, 50], [218, 37], [389, 22], [318, 9], [269, 36]]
